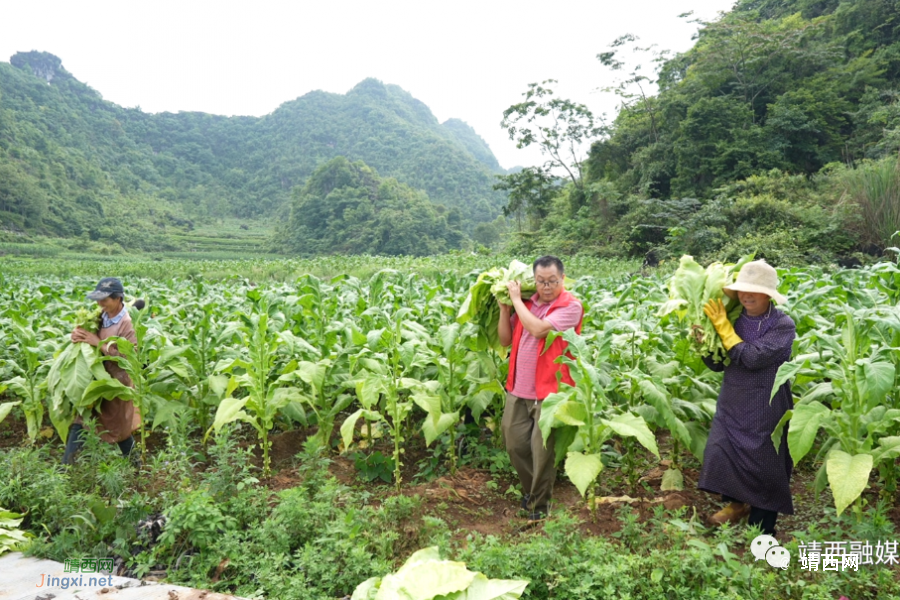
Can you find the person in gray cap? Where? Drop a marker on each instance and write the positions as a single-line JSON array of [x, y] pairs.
[[118, 418]]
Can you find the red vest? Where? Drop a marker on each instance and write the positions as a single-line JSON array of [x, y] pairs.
[[545, 382]]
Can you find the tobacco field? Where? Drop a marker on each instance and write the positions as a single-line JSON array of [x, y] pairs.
[[310, 424]]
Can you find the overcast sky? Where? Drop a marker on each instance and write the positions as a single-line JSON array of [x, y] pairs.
[[464, 59]]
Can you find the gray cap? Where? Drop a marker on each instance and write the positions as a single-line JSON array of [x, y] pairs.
[[106, 288]]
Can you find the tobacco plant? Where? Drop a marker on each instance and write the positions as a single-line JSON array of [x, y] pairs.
[[583, 416], [848, 387], [254, 373]]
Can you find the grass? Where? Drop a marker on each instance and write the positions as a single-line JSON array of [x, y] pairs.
[[874, 187], [29, 249], [225, 237], [225, 531], [222, 265], [220, 240]]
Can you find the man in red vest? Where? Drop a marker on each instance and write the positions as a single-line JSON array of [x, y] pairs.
[[533, 376]]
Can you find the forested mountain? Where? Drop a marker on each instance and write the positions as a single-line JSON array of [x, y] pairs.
[[777, 132], [73, 164], [386, 128], [346, 208], [473, 142], [786, 84]]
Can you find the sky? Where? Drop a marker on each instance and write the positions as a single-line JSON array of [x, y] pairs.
[[464, 59]]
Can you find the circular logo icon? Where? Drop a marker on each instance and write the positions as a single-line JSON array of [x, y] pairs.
[[761, 544], [778, 557]]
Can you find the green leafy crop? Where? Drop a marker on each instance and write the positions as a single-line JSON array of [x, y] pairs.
[[425, 576], [11, 537], [89, 320], [75, 367], [690, 288], [480, 305]]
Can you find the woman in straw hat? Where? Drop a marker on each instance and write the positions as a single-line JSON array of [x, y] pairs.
[[740, 461]]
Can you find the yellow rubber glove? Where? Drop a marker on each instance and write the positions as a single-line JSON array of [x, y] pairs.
[[715, 310]]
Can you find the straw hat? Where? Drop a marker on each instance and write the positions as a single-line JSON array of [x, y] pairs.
[[757, 277]]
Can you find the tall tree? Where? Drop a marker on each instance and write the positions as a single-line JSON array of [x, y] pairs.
[[530, 192], [561, 128]]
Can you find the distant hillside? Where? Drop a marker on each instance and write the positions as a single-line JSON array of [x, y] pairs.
[[386, 128], [473, 142], [73, 164], [346, 208]]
